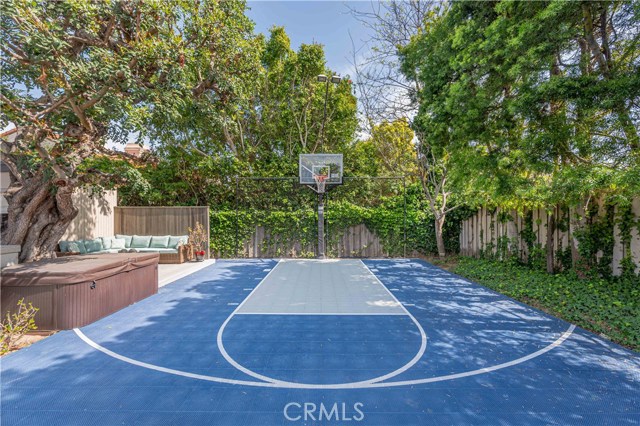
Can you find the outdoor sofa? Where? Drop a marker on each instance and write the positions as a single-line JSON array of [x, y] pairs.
[[172, 249]]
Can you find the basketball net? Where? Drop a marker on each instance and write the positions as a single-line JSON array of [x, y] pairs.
[[321, 181]]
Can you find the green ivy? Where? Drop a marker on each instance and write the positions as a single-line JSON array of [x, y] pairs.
[[606, 307], [285, 228], [527, 234], [596, 242], [537, 258]]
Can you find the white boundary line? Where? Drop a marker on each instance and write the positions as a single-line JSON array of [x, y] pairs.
[[372, 383], [237, 365], [423, 335], [220, 344], [517, 361], [326, 313], [187, 374], [132, 361]]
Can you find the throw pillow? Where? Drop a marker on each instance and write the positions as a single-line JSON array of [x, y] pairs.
[[64, 246], [175, 241], [127, 239], [107, 243], [94, 245], [118, 243], [77, 246]]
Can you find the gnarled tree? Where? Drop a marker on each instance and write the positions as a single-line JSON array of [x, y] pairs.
[[77, 73]]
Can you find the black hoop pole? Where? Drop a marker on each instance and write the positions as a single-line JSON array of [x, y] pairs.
[[320, 226], [327, 240], [404, 195], [237, 217]]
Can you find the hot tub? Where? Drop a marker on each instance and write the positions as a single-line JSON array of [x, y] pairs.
[[74, 291]]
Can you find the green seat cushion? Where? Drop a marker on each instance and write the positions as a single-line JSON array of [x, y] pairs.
[[157, 250], [140, 241], [127, 239], [175, 241], [64, 246], [118, 243], [159, 242], [77, 246], [94, 245]]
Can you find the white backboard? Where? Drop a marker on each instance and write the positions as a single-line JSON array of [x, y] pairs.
[[321, 164]]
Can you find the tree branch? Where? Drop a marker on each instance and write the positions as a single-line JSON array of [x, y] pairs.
[[91, 102], [29, 116]]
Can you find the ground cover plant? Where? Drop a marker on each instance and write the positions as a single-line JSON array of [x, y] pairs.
[[609, 307]]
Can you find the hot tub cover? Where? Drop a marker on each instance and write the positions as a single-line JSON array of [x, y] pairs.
[[74, 269]]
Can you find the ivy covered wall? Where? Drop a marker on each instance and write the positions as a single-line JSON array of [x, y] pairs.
[[351, 230], [601, 237]]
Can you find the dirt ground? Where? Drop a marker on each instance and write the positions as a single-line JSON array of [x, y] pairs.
[[448, 263], [30, 339]]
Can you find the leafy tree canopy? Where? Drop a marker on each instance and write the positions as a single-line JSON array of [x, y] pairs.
[[532, 117], [278, 115]]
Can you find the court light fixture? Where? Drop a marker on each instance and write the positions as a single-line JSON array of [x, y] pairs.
[[335, 79]]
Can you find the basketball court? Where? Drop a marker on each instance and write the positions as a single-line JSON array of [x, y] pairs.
[[323, 342], [331, 342]]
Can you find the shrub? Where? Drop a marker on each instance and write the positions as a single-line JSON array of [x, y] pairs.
[[16, 325], [197, 236]]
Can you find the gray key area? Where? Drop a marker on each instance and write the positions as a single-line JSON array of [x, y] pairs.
[[321, 287]]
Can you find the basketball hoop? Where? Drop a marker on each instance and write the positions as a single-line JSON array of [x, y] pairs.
[[316, 170], [321, 181]]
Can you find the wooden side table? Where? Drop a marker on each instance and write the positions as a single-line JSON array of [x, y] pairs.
[[190, 253]]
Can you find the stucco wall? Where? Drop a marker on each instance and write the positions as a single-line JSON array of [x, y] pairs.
[[4, 184], [95, 217]]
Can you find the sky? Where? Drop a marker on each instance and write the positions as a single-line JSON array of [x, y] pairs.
[[325, 22]]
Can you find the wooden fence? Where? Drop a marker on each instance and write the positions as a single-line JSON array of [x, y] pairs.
[[161, 221], [356, 241], [488, 229]]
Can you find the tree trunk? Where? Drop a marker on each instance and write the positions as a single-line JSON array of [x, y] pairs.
[[628, 128], [38, 216], [439, 222], [577, 222], [551, 228], [574, 224], [602, 56]]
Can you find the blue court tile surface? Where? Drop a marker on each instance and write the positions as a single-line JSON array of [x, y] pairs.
[[456, 354]]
